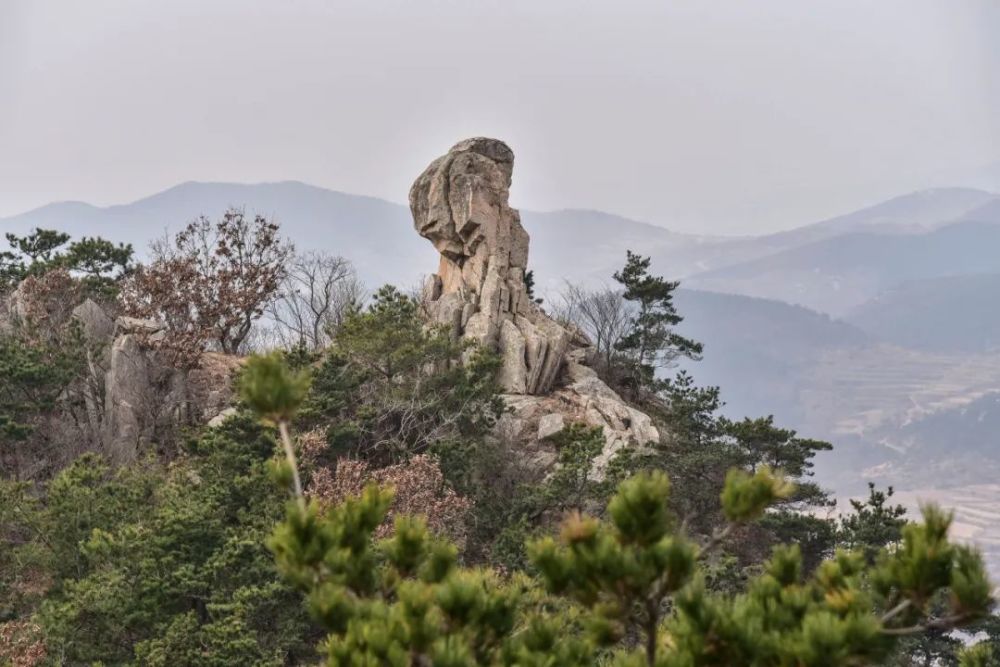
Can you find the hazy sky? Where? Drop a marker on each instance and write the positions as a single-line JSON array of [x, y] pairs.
[[711, 116]]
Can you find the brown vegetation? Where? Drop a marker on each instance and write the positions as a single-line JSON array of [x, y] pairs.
[[420, 490], [211, 284]]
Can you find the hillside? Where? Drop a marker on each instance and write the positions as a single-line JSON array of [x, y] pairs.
[[761, 352], [904, 350], [840, 273], [949, 314], [889, 409], [377, 235]]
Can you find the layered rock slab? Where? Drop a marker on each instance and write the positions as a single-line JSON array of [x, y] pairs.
[[581, 397]]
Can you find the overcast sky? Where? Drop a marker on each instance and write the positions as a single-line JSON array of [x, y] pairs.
[[727, 117]]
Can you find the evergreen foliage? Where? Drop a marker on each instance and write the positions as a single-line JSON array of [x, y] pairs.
[[35, 373], [390, 387], [99, 261], [873, 524], [650, 342], [405, 601], [162, 566], [677, 557]]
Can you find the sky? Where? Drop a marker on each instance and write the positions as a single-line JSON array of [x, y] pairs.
[[722, 116]]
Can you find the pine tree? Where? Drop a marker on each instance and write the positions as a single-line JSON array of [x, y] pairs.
[[873, 524], [405, 601], [100, 262], [650, 342]]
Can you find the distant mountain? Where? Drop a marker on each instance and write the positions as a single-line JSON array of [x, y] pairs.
[[989, 211], [761, 352], [913, 212], [589, 246], [842, 272], [949, 314], [377, 235], [887, 408], [578, 245]]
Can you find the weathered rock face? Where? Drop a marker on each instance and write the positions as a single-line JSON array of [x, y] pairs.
[[131, 403], [132, 394], [145, 397], [460, 204], [580, 396]]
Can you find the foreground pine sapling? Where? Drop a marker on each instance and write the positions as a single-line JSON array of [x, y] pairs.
[[636, 579]]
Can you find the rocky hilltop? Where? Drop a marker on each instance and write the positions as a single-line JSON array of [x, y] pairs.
[[134, 393], [130, 394], [460, 203]]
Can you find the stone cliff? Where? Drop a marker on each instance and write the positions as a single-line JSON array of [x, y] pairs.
[[460, 204]]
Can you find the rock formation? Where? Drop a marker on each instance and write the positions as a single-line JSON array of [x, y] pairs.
[[133, 396], [130, 393], [146, 397], [460, 204]]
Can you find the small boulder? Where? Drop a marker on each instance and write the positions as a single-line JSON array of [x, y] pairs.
[[550, 425], [219, 419], [97, 327]]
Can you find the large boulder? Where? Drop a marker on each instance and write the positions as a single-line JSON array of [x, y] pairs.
[[460, 204], [148, 399]]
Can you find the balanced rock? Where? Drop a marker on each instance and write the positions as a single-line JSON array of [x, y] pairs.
[[460, 204]]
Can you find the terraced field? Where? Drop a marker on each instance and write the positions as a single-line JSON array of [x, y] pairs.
[[874, 390], [977, 515]]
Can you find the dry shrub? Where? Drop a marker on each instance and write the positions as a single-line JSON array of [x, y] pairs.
[[45, 303], [420, 491], [210, 284], [21, 644]]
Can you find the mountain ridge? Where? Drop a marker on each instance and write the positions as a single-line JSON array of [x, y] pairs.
[[578, 244]]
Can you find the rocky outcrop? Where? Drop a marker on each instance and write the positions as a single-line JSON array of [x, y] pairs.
[[132, 395], [460, 204], [98, 330], [580, 396], [146, 398], [131, 402]]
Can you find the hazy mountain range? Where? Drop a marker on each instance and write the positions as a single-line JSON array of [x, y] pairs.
[[877, 329]]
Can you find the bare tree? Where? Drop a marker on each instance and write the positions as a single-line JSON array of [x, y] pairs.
[[315, 296], [602, 314], [212, 283]]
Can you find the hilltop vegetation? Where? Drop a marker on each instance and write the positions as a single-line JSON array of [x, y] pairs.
[[191, 554], [927, 342]]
